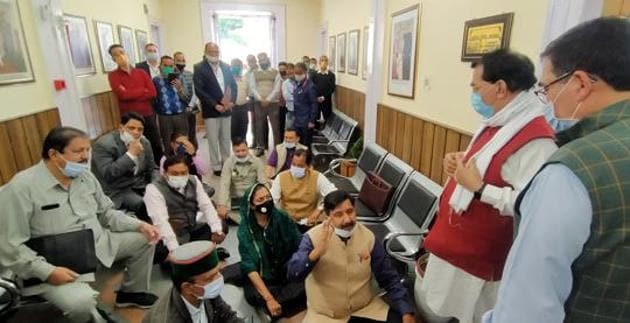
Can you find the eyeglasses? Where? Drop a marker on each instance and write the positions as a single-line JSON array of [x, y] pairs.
[[543, 89]]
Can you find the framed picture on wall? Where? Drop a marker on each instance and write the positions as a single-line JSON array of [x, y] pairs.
[[402, 52], [15, 62], [365, 67], [341, 53], [125, 35], [485, 35], [332, 52], [353, 51], [141, 40], [105, 37], [78, 42]]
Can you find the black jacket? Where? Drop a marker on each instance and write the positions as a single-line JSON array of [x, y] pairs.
[[208, 90]]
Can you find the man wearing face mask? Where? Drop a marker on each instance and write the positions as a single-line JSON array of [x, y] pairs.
[[288, 87], [168, 105], [324, 81], [267, 238], [473, 231], [305, 105], [282, 155], [135, 92], [59, 195], [240, 118], [173, 202], [338, 259], [569, 261], [265, 89], [300, 189], [252, 65], [187, 95], [152, 64], [122, 160], [217, 91], [282, 103], [197, 285], [240, 172], [312, 67]]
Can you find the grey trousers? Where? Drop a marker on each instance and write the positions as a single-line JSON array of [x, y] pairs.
[[271, 113], [78, 301], [169, 125], [219, 134]]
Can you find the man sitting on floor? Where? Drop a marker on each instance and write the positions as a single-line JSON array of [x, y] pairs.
[[173, 202], [122, 160], [59, 195], [338, 259], [299, 190], [240, 172], [281, 157], [196, 292]]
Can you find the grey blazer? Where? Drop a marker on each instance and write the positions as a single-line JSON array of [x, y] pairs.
[[114, 169]]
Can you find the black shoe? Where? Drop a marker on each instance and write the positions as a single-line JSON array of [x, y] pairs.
[[259, 152], [141, 300], [222, 253], [217, 173]]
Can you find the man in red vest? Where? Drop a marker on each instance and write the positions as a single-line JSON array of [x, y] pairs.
[[473, 232]]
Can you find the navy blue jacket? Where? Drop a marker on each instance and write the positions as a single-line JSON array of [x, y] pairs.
[[305, 105], [208, 90]]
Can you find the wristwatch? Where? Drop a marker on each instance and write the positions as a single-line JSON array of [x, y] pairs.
[[479, 192]]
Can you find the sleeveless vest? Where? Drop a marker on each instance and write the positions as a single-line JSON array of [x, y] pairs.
[[283, 155], [299, 197], [182, 208], [340, 284], [478, 240], [597, 151], [265, 81]]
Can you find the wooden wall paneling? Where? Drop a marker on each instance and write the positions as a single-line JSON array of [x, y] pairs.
[[8, 166], [19, 144], [391, 125], [407, 141], [379, 124], [33, 139], [102, 101], [464, 141], [46, 121], [452, 141], [427, 148], [115, 113], [439, 141], [400, 135], [416, 144]]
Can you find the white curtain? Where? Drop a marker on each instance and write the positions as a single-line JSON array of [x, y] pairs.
[[562, 15]]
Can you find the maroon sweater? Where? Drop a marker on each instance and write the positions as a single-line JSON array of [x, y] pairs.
[[134, 90]]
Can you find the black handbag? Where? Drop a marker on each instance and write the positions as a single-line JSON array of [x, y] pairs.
[[74, 250]]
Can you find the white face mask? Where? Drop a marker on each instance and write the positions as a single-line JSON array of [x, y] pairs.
[[300, 77], [297, 172], [242, 159], [212, 59], [289, 145], [213, 289], [126, 137], [344, 233], [177, 182]]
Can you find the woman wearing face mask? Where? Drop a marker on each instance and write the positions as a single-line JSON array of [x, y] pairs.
[[196, 292], [305, 105], [267, 238]]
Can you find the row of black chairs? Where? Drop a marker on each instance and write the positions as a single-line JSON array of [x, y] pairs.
[[411, 208], [334, 139]]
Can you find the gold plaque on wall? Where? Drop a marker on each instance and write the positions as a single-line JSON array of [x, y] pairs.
[[485, 35]]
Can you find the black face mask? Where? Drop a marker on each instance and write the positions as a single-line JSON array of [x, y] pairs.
[[180, 66], [264, 208]]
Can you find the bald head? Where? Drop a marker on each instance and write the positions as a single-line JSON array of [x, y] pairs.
[[211, 52]]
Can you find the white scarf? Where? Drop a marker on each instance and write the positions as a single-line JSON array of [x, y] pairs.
[[512, 118]]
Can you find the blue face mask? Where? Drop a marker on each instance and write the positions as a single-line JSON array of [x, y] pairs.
[[213, 289], [74, 169], [556, 124], [481, 107]]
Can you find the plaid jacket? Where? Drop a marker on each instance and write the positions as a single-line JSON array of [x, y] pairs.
[[597, 150]]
